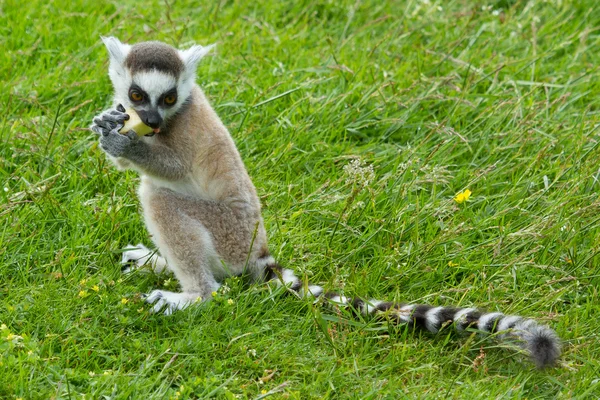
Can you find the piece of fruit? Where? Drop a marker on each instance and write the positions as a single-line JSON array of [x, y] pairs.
[[135, 123]]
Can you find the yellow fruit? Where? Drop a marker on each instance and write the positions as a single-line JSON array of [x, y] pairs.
[[134, 123]]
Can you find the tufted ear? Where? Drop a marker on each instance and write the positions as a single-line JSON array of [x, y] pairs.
[[192, 56], [117, 50], [116, 70]]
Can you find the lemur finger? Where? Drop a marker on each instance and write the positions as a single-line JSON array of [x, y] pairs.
[[97, 129], [107, 125], [113, 116], [101, 131], [108, 132], [120, 116], [115, 131]]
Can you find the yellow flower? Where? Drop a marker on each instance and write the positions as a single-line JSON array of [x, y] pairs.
[[214, 294], [124, 300], [264, 391], [12, 336], [462, 196], [230, 301], [96, 288], [83, 293], [452, 264], [83, 281]]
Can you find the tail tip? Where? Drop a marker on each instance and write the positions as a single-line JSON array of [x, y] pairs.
[[544, 346]]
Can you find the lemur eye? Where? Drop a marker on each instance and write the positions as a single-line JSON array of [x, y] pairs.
[[170, 99], [136, 96]]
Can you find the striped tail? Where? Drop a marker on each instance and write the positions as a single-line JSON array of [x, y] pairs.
[[541, 342]]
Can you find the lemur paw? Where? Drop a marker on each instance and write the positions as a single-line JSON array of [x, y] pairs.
[[134, 257], [117, 144], [107, 125], [110, 120], [169, 302]]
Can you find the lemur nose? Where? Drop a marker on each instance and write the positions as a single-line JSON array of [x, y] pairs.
[[152, 120]]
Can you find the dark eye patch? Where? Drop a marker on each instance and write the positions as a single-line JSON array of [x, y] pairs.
[[171, 92], [135, 88]]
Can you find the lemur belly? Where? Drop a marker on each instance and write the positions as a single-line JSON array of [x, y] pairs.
[[150, 187]]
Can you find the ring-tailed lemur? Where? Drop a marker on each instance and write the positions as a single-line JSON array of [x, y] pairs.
[[202, 210]]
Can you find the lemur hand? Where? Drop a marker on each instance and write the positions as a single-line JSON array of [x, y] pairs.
[[107, 125], [110, 120], [118, 144]]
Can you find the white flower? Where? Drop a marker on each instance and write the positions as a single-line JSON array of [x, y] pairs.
[[224, 289], [357, 173]]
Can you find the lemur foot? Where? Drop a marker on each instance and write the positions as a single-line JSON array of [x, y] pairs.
[[169, 302], [137, 256], [134, 257]]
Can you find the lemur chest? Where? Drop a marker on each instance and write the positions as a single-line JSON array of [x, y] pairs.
[[197, 186]]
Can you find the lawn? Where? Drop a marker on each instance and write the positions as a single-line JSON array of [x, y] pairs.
[[359, 122]]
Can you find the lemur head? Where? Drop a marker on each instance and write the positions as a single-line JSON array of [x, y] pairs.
[[153, 78]]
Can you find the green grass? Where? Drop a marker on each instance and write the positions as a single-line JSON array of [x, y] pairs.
[[500, 97]]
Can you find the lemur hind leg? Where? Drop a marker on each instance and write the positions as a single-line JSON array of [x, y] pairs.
[[202, 241]]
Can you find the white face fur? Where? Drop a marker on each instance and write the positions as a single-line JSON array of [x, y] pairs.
[[159, 72]]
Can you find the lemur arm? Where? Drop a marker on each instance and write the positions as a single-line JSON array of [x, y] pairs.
[[156, 160]]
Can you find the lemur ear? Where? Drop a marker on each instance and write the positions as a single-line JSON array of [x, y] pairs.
[[192, 56], [117, 50]]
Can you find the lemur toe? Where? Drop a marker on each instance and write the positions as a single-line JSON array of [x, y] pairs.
[[154, 295], [126, 269], [169, 302]]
